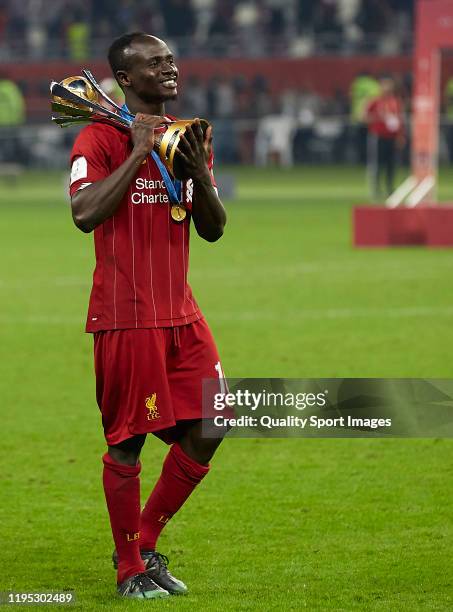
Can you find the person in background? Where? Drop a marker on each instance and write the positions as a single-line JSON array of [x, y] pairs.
[[275, 138], [179, 18], [386, 134], [12, 103], [78, 37], [448, 103], [195, 98], [363, 89], [12, 115], [309, 104]]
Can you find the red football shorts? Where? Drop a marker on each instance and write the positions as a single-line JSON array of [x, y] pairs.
[[149, 379]]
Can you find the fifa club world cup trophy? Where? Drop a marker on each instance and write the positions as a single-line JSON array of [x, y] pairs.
[[80, 99]]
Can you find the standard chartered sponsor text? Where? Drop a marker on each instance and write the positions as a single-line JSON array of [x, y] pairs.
[[160, 195]]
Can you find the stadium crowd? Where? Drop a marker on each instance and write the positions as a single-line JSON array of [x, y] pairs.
[[250, 120], [206, 27], [247, 111]]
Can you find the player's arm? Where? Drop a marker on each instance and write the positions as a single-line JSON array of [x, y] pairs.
[[97, 202], [208, 213]]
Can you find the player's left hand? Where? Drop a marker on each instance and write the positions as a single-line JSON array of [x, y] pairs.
[[195, 150]]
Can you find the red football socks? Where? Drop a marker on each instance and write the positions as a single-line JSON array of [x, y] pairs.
[[180, 475], [122, 493]]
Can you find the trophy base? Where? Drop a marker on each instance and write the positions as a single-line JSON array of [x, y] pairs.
[[167, 143]]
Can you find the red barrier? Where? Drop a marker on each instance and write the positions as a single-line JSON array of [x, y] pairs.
[[426, 225], [433, 35]]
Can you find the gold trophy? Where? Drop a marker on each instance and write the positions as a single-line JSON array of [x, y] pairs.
[[80, 99]]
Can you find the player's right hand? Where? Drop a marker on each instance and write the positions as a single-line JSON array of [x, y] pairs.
[[142, 130]]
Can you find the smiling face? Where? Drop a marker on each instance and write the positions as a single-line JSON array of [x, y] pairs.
[[152, 74]]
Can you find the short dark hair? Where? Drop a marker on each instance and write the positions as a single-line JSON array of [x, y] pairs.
[[117, 57]]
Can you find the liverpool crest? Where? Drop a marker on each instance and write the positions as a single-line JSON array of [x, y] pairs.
[[150, 403]]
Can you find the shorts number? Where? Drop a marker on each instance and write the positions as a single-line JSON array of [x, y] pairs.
[[223, 387]]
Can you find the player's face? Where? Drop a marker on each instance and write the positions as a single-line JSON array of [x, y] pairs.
[[153, 74]]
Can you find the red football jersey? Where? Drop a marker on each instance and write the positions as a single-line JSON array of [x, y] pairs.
[[142, 254], [385, 117]]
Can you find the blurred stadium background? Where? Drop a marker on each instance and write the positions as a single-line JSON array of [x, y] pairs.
[[325, 55], [279, 524]]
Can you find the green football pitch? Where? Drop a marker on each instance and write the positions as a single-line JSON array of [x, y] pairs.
[[277, 524]]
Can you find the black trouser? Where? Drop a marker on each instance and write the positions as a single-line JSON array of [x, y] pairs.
[[381, 160], [360, 133], [449, 138]]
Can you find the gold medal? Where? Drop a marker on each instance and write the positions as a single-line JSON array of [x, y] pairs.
[[178, 213]]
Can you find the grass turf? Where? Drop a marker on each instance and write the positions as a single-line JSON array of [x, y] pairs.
[[278, 524]]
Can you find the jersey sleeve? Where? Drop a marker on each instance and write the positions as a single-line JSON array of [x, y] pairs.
[[90, 158]]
